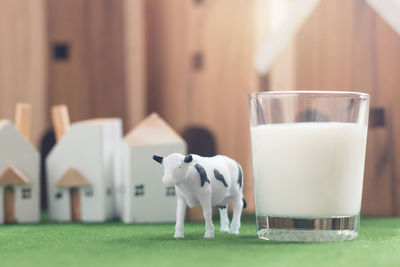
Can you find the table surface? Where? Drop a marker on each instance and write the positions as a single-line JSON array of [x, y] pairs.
[[115, 244]]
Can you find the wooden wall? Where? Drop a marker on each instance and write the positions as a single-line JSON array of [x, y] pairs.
[[200, 71], [192, 61], [23, 69], [203, 70], [345, 45], [97, 59], [89, 55]]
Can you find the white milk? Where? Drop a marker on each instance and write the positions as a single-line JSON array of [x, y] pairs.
[[308, 169]]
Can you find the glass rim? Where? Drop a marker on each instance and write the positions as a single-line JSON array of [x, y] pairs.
[[308, 93]]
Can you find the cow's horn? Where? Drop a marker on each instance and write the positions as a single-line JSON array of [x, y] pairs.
[[158, 159], [188, 158]]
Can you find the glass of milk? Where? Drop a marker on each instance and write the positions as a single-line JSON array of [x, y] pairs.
[[308, 151]]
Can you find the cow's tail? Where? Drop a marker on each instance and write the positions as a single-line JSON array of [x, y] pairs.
[[244, 203]]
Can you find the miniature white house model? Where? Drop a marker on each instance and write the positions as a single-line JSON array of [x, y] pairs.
[[82, 167], [144, 198], [19, 168]]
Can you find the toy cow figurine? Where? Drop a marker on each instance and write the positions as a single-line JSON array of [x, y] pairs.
[[208, 181]]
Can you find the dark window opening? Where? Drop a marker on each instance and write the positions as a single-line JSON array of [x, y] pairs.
[[89, 193], [26, 193], [59, 195], [200, 141], [139, 190], [170, 191], [61, 51], [198, 61], [376, 117]]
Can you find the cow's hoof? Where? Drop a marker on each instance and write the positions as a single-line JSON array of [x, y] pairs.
[[179, 235], [224, 228], [209, 235], [234, 231]]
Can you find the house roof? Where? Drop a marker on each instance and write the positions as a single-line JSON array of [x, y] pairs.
[[3, 123], [72, 178], [12, 176], [8, 128], [153, 130], [97, 120]]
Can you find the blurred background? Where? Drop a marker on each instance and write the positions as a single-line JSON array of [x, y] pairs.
[[195, 61]]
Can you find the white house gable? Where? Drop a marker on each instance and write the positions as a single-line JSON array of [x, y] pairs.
[[19, 164], [145, 198], [12, 140], [80, 148], [87, 147], [152, 131]]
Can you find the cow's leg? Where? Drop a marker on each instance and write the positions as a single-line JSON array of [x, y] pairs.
[[180, 216], [207, 213], [237, 205], [223, 215]]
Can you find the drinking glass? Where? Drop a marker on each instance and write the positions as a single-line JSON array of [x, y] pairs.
[[308, 150]]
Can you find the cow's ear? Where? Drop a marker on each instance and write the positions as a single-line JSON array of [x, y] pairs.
[[158, 159], [188, 158]]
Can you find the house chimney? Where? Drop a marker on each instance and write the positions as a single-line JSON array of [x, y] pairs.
[[60, 117], [23, 119]]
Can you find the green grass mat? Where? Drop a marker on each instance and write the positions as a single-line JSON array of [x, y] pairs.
[[115, 244]]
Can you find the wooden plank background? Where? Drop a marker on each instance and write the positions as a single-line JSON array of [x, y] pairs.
[[202, 72], [191, 61], [345, 45], [104, 73], [23, 70]]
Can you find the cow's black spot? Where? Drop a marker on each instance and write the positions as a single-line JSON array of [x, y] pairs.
[[203, 174], [240, 176], [188, 158], [220, 177], [244, 203], [221, 207]]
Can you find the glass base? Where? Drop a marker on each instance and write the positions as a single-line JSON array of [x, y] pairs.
[[308, 230]]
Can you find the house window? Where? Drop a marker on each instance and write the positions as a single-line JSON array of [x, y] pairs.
[[139, 190], [109, 191], [170, 191], [61, 51], [26, 193], [89, 192], [58, 195]]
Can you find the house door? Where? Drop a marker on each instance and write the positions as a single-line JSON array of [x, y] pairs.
[[75, 204], [9, 205]]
